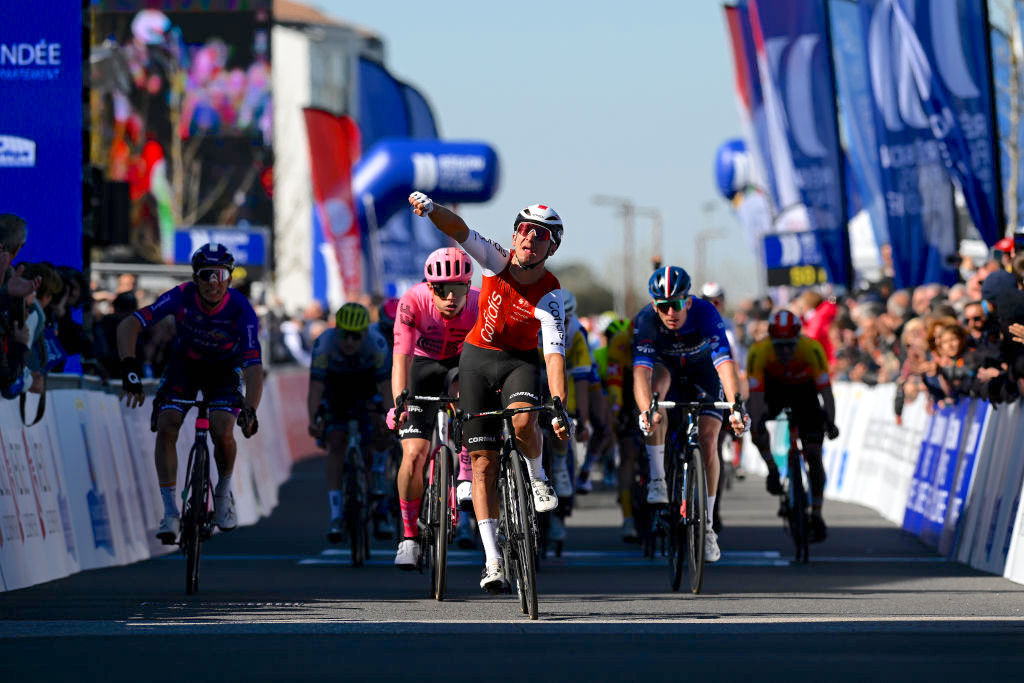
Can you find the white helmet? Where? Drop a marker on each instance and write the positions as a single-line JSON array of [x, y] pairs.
[[568, 304], [540, 214], [712, 290]]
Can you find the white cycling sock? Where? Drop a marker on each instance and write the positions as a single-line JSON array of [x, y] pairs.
[[489, 535], [170, 503], [334, 496], [711, 509], [536, 468], [656, 456], [223, 486]]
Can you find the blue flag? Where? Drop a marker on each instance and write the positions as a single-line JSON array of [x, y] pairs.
[[929, 65], [792, 42]]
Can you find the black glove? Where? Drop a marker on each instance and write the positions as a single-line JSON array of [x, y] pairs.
[[131, 376], [247, 421], [831, 431]]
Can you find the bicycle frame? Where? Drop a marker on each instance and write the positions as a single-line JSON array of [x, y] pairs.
[[795, 498]]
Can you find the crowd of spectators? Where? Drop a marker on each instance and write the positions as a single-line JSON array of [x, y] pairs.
[[966, 340]]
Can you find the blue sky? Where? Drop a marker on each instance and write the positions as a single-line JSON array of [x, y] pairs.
[[624, 99]]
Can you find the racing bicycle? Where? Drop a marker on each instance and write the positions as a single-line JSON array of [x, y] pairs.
[[683, 523], [517, 519], [197, 516], [795, 502], [439, 514]]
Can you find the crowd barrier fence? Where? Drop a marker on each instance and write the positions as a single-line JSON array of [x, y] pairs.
[[78, 490], [953, 476]]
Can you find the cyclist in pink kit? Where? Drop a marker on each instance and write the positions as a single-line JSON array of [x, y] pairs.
[[434, 318]]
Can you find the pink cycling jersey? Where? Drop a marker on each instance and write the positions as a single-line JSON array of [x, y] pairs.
[[421, 330]]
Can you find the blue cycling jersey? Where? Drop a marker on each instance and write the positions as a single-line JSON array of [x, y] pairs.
[[700, 339], [371, 358], [227, 334]]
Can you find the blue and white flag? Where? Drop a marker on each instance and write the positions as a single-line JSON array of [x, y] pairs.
[[794, 60], [933, 117]]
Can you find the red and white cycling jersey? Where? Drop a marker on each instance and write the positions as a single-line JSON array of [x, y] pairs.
[[420, 330], [512, 313]]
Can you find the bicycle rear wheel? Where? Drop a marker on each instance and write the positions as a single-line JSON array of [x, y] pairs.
[[696, 518], [444, 519], [798, 523], [675, 514], [194, 517], [525, 541], [430, 514]]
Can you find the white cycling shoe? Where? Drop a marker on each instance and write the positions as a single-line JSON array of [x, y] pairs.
[[168, 530], [563, 482], [408, 556], [712, 553], [224, 514], [464, 494], [544, 498], [657, 492], [492, 579]]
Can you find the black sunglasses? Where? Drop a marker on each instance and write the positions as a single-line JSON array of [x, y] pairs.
[[673, 305], [444, 289], [353, 336], [976, 319]]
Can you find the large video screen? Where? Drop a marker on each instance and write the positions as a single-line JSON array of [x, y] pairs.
[[182, 121]]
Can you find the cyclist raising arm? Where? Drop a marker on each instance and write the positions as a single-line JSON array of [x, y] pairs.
[[216, 348], [519, 298], [679, 345], [432, 321]]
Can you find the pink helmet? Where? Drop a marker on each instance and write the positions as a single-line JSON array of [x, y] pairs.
[[448, 264]]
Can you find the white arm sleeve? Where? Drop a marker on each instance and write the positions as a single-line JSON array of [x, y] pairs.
[[491, 256], [551, 314]]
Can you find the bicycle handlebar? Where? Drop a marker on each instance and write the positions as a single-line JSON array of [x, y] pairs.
[[554, 406], [692, 406]]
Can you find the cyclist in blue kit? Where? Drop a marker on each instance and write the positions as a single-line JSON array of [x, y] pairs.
[[216, 349], [681, 352]]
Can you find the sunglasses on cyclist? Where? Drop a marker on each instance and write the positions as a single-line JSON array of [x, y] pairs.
[[672, 305], [444, 289], [213, 274], [349, 335], [541, 234]]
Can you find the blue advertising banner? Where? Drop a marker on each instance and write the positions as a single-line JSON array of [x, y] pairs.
[[940, 485], [920, 497], [41, 126], [792, 36], [249, 246], [928, 64], [794, 259], [950, 538]]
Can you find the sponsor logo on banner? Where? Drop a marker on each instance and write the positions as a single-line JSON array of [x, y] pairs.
[[17, 152], [40, 61]]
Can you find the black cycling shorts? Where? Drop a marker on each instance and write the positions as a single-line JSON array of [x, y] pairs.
[[428, 377], [492, 380], [184, 377], [697, 382], [807, 411]]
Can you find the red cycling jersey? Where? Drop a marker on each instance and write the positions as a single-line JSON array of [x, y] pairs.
[[513, 313]]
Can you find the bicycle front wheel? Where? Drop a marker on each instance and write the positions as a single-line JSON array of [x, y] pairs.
[[675, 516], [526, 543], [356, 500], [194, 517], [798, 524], [442, 493], [696, 518]]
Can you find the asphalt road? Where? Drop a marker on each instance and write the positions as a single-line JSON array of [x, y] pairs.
[[276, 603]]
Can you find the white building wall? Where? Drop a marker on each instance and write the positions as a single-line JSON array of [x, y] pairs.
[[293, 188]]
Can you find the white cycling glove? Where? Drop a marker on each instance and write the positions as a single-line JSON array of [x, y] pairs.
[[645, 426], [425, 202]]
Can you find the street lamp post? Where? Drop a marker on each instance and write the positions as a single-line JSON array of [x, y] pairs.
[[701, 244], [624, 299]]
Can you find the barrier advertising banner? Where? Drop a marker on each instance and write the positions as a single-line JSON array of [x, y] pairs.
[[795, 63], [41, 127]]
